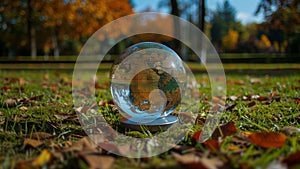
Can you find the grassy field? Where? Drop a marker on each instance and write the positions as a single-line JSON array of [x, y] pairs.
[[260, 128]]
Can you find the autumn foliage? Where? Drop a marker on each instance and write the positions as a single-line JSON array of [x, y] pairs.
[[50, 23]]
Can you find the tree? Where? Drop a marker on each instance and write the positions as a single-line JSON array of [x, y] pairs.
[[282, 20], [57, 20], [229, 41], [223, 19], [83, 18]]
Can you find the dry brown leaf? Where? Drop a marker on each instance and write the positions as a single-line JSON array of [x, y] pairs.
[[200, 120], [46, 77], [226, 130], [239, 82], [256, 81], [23, 108], [297, 100], [63, 116], [195, 94], [121, 149], [36, 98], [103, 103], [98, 161], [82, 145], [40, 135], [217, 100], [292, 160], [268, 139], [192, 161], [32, 143], [290, 130], [182, 149], [6, 88], [251, 104], [229, 107], [9, 103]]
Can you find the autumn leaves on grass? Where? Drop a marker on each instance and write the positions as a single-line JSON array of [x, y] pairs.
[[264, 139], [216, 145]]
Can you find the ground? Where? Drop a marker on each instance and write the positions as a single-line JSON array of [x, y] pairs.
[[259, 129]]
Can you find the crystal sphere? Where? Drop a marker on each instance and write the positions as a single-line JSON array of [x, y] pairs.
[[147, 82]]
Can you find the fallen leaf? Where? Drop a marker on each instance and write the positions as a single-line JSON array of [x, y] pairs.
[[255, 97], [23, 108], [119, 149], [268, 139], [183, 149], [40, 135], [233, 98], [6, 88], [251, 104], [97, 161], [212, 144], [54, 89], [200, 120], [22, 81], [239, 82], [229, 107], [262, 98], [32, 143], [290, 130], [292, 160], [103, 103], [195, 94], [256, 81], [192, 161], [297, 100], [46, 77], [83, 145], [99, 86], [41, 160], [63, 116], [196, 136], [216, 100], [235, 148], [226, 130], [296, 87], [9, 103], [44, 158], [36, 98]]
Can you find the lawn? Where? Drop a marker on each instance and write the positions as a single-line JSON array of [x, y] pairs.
[[259, 129]]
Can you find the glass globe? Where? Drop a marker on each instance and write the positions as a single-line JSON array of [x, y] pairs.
[[147, 82]]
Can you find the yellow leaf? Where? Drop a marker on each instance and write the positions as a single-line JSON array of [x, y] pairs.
[[44, 158]]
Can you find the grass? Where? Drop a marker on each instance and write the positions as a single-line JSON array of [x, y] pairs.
[[41, 115]]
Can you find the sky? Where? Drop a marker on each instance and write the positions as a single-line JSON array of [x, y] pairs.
[[245, 8]]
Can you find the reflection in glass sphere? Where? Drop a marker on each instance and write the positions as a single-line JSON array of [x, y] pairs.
[[147, 82]]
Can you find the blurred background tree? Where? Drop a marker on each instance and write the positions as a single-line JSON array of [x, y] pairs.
[[60, 27], [282, 23], [56, 24]]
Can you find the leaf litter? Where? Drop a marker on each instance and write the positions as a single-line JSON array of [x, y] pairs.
[[210, 154]]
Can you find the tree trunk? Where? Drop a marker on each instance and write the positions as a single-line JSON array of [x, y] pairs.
[[55, 44], [33, 42], [175, 11], [201, 15], [31, 30]]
